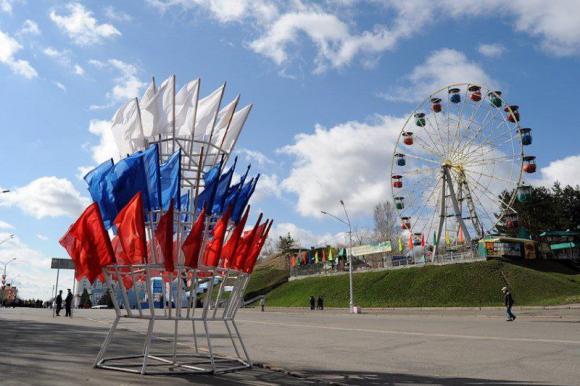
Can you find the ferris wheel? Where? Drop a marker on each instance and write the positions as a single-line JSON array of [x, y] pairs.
[[456, 153]]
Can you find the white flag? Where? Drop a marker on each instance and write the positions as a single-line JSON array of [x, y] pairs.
[[185, 106], [221, 127], [207, 109], [236, 125], [157, 115], [126, 129]]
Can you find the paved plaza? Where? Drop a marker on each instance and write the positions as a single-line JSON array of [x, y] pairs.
[[303, 347]]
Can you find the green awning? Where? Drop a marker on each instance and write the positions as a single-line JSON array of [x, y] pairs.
[[569, 245]]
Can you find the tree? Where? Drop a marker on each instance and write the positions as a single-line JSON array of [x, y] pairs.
[[285, 243], [554, 208], [85, 301], [106, 299], [385, 218]]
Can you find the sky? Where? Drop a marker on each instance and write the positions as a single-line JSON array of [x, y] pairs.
[[332, 83]]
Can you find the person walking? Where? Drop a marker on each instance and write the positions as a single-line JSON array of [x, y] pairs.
[[320, 303], [68, 303], [58, 302], [508, 301], [312, 303], [262, 303]]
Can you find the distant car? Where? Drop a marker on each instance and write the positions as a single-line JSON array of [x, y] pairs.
[[100, 307]]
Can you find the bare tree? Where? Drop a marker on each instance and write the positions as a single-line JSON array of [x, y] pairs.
[[385, 217], [362, 236]]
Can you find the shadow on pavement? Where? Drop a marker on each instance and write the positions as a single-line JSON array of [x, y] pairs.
[[63, 354]]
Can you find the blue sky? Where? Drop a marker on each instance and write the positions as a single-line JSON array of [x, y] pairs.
[[331, 82]]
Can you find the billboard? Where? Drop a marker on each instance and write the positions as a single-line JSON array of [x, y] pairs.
[[371, 249], [57, 263]]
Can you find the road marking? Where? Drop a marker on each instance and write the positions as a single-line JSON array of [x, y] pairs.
[[412, 333]]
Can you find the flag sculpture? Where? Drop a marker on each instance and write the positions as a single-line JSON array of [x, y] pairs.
[[167, 231]]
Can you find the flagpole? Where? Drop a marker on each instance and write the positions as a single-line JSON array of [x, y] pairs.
[[193, 124], [173, 140], [198, 178], [238, 134], [236, 101]]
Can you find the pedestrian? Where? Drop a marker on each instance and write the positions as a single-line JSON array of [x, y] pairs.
[[58, 302], [320, 303], [68, 303], [262, 303], [312, 302], [508, 301]]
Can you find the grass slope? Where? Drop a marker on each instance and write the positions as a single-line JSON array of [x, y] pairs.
[[268, 275], [473, 284]]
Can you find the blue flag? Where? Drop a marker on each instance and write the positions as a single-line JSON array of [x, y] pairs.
[[211, 180], [222, 189], [151, 164], [97, 186], [243, 198], [127, 178], [235, 190], [170, 172], [184, 205]]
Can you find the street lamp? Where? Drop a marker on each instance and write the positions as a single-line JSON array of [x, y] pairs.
[[5, 265], [11, 236], [347, 223]]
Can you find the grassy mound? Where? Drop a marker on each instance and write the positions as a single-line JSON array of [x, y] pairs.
[[471, 285], [268, 275]]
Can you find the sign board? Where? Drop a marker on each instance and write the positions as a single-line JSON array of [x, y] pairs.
[[362, 250], [57, 263], [157, 286]]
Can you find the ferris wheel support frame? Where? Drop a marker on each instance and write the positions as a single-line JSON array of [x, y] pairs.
[[446, 179]]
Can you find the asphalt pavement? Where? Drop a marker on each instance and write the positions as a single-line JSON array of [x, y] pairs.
[[394, 347]]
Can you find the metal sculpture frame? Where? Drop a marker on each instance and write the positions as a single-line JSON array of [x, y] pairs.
[[219, 307]]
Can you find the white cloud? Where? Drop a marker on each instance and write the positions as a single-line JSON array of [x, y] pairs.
[[79, 70], [565, 170], [491, 50], [113, 14], [5, 225], [347, 162], [82, 27], [8, 48], [60, 85], [303, 237], [106, 148], [253, 156], [62, 57], [442, 67], [225, 11], [29, 27], [46, 197], [127, 84], [268, 186], [41, 237], [331, 26], [6, 6], [30, 272]]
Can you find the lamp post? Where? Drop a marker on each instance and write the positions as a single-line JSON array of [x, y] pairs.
[[347, 223], [5, 265]]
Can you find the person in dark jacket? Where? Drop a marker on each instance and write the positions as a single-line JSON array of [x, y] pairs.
[[320, 303], [58, 302], [312, 303], [508, 301], [68, 303]]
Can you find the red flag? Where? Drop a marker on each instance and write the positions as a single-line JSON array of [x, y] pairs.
[[192, 244], [131, 231], [423, 240], [164, 236], [243, 250], [88, 244], [229, 248], [410, 241], [460, 237], [213, 248], [257, 247], [121, 258]]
